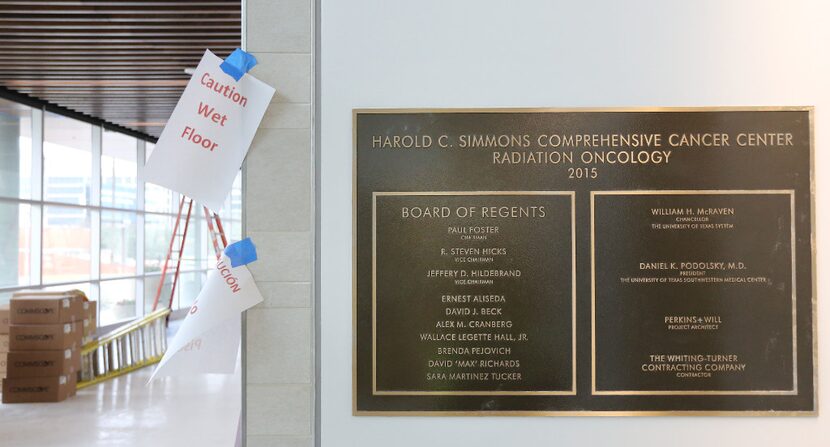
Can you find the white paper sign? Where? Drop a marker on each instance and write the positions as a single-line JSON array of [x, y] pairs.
[[213, 352], [206, 138], [208, 340]]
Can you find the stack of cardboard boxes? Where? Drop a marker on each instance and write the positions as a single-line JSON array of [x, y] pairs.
[[90, 320], [46, 332], [4, 338], [90, 332]]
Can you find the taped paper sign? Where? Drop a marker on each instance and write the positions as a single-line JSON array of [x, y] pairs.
[[213, 352], [206, 138], [208, 340]]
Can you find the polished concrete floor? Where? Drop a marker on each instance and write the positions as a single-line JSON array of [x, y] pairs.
[[172, 411]]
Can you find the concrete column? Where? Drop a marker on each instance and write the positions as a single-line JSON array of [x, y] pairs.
[[279, 205]]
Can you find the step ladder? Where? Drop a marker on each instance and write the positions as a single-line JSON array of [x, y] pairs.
[[143, 342], [135, 345], [175, 249]]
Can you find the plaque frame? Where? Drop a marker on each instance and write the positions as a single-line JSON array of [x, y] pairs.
[[690, 192], [590, 413], [572, 196]]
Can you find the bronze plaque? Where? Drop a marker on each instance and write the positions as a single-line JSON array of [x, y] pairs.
[[584, 262]]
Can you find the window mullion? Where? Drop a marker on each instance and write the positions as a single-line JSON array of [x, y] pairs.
[[96, 166], [94, 213], [36, 218], [141, 148]]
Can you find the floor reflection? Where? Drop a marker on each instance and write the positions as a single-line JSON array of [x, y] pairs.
[[126, 411]]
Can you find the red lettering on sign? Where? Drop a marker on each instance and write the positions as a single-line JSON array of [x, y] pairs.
[[210, 113], [190, 135]]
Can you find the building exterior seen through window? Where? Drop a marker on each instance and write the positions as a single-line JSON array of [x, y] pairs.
[[75, 213]]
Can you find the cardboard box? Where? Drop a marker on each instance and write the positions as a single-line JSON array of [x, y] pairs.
[[38, 389], [91, 314], [2, 365], [22, 364], [45, 337], [90, 320], [4, 343], [4, 318], [91, 310], [46, 307]]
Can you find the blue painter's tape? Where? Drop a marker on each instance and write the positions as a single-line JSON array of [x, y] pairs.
[[238, 63], [241, 253]]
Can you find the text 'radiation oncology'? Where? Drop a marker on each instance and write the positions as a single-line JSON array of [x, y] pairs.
[[609, 148]]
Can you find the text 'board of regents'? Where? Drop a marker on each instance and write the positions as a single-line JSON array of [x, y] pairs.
[[205, 140]]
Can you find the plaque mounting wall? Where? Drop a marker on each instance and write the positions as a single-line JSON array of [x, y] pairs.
[[584, 262]]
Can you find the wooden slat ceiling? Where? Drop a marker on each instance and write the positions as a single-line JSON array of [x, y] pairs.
[[122, 61]]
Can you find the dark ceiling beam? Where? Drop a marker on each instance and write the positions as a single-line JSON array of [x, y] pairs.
[[54, 108], [122, 61]]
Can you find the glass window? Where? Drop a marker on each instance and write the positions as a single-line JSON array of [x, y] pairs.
[[192, 258], [207, 252], [159, 200], [188, 287], [118, 244], [83, 287], [65, 232], [15, 245], [148, 149], [15, 150], [117, 300], [236, 198], [157, 232], [151, 284], [229, 227], [118, 170], [66, 244], [235, 232], [231, 212], [67, 160]]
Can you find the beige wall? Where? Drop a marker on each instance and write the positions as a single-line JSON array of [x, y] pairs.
[[279, 204], [557, 53]]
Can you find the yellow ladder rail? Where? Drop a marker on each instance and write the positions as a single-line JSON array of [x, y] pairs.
[[135, 345]]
